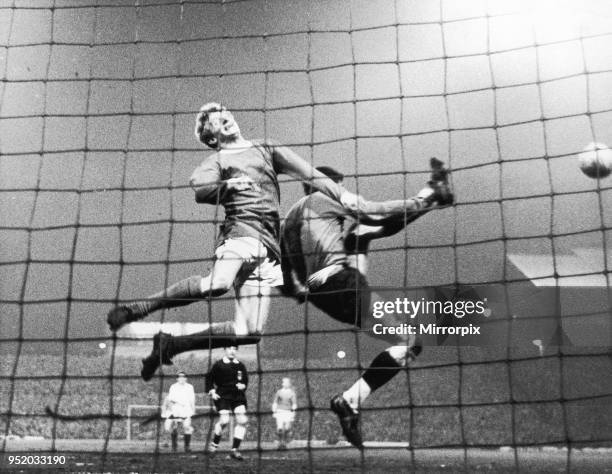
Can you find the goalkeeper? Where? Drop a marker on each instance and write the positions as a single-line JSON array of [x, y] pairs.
[[325, 262]]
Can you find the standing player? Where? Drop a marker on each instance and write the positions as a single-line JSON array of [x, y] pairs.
[[283, 410], [179, 407], [242, 177], [226, 384], [325, 262]]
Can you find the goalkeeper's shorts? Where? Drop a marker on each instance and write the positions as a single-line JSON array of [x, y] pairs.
[[343, 296]]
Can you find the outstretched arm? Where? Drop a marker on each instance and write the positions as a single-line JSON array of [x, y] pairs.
[[288, 162]]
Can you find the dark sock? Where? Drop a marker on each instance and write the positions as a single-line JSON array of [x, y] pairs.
[[216, 439], [236, 443], [216, 335], [174, 437], [187, 440], [383, 368], [180, 294]]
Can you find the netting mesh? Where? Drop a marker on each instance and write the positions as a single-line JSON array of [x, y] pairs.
[[97, 104]]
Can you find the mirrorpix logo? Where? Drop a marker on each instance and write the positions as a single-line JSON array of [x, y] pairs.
[[459, 296]]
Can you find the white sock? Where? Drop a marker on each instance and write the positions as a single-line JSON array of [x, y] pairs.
[[356, 395]]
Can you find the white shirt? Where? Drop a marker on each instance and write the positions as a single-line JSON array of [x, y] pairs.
[[180, 401]]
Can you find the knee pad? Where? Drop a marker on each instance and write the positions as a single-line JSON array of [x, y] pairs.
[[241, 419]]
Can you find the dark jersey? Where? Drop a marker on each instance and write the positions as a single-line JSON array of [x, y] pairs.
[[318, 235], [223, 377], [254, 212], [314, 233]]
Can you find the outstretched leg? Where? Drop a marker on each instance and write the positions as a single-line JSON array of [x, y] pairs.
[[347, 297], [251, 312], [187, 291]]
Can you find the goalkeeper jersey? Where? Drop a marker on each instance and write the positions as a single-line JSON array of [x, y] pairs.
[[313, 238]]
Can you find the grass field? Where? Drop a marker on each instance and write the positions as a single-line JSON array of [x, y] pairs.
[[142, 456], [485, 413]]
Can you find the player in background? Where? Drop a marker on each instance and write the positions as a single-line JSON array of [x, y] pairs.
[[325, 262], [178, 408], [226, 384], [242, 177], [283, 410]]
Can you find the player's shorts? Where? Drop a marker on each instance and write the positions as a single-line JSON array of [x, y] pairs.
[[346, 296], [284, 416], [171, 424], [258, 269], [230, 404], [343, 296]]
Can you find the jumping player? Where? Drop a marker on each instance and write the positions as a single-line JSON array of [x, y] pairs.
[[178, 408], [325, 262], [226, 384], [242, 177], [283, 410]]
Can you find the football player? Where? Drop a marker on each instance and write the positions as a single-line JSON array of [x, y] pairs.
[[325, 262], [178, 408], [283, 410]]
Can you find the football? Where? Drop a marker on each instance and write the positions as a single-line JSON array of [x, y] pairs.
[[596, 160]]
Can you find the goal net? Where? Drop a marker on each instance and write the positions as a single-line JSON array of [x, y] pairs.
[[97, 107]]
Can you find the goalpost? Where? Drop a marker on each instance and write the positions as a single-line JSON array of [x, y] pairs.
[[201, 409], [97, 108]]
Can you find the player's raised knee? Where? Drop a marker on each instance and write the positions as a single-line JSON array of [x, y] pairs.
[[216, 285]]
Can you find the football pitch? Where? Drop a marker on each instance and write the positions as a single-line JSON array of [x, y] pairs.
[[148, 456]]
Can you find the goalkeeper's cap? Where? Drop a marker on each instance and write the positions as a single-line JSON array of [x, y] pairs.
[[181, 374]]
